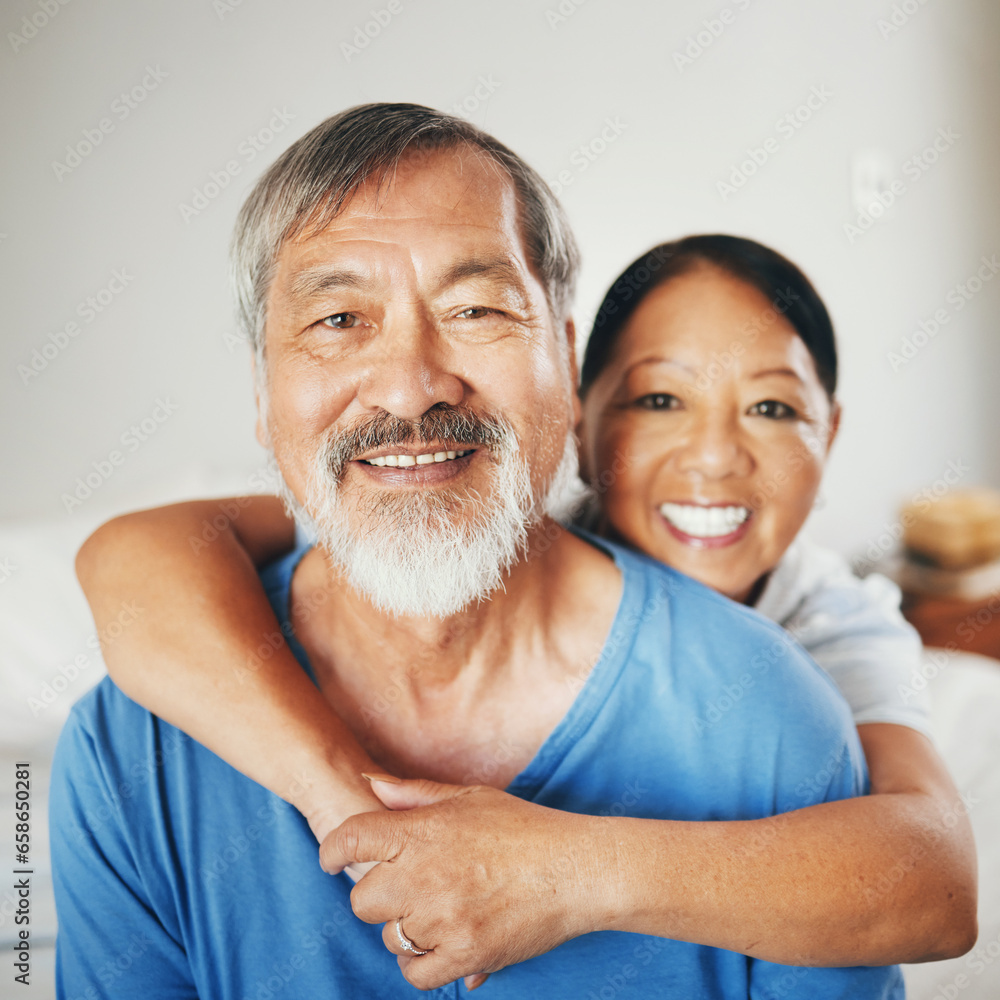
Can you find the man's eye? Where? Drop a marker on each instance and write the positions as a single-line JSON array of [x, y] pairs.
[[658, 401], [475, 312], [341, 321], [773, 410]]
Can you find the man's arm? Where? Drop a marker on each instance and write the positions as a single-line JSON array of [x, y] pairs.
[[206, 637]]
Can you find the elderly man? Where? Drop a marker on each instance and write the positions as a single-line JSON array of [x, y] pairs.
[[406, 280]]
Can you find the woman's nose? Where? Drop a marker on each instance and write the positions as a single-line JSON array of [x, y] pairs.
[[714, 448]]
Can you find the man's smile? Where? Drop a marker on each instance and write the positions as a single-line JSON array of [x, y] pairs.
[[404, 459], [418, 465]]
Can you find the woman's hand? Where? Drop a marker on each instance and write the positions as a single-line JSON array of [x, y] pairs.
[[477, 878]]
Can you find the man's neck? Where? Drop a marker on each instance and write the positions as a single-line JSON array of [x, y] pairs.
[[527, 604], [432, 696]]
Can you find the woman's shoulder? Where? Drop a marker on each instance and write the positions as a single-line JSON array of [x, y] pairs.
[[815, 584]]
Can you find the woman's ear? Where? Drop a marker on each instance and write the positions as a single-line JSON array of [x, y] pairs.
[[581, 441], [834, 424]]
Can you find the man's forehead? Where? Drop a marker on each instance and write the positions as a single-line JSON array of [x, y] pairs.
[[452, 203], [453, 187]]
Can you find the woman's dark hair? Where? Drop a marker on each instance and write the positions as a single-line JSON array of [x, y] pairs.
[[789, 290]]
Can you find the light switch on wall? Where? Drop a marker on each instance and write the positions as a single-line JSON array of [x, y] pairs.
[[871, 175]]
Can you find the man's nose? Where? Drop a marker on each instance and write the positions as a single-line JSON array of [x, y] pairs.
[[714, 448], [412, 370]]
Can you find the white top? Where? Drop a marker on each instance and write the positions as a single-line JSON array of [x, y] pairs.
[[853, 629]]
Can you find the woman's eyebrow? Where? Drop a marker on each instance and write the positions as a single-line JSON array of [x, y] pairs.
[[788, 372], [656, 360]]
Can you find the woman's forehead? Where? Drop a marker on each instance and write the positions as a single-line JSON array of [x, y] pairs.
[[707, 310], [704, 291]]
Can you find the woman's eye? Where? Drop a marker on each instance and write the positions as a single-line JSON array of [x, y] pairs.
[[773, 410], [658, 401], [341, 321]]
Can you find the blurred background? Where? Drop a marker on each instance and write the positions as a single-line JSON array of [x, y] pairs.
[[185, 90], [861, 138]]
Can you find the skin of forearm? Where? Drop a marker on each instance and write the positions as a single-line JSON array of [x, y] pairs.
[[887, 878], [260, 713], [876, 880]]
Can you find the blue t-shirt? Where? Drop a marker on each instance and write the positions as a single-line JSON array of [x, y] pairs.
[[177, 877]]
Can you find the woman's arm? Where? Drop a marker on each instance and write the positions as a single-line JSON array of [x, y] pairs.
[[890, 877], [897, 869], [876, 880], [205, 651]]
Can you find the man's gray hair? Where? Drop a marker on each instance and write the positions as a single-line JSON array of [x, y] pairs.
[[309, 184]]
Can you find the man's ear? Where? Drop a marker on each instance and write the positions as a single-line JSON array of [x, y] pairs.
[[574, 372], [263, 438]]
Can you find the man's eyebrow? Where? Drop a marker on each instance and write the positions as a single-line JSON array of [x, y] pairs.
[[324, 278], [500, 266]]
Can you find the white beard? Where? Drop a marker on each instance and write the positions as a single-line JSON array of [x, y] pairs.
[[433, 554]]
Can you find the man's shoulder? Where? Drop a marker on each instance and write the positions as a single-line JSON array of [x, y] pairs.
[[276, 578], [712, 651], [105, 707], [114, 737], [682, 608]]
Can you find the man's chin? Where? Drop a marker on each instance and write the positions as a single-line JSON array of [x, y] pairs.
[[434, 580]]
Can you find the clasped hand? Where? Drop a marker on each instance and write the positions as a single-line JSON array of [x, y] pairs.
[[477, 878]]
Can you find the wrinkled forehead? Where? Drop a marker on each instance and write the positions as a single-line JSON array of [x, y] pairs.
[[434, 209]]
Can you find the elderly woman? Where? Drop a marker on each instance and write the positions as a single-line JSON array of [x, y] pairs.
[[708, 392]]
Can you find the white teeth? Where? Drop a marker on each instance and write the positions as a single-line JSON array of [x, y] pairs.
[[427, 458], [704, 522]]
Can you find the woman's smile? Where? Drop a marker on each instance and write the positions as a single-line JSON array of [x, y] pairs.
[[706, 526]]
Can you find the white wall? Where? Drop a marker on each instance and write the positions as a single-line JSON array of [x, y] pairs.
[[221, 69]]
